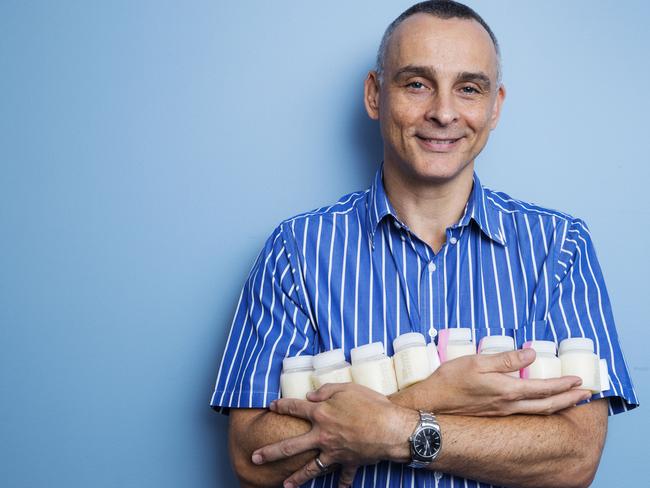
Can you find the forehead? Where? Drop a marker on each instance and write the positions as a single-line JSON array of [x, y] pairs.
[[446, 45]]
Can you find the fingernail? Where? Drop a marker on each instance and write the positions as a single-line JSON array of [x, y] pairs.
[[525, 354], [288, 484], [257, 459], [577, 382], [272, 405]]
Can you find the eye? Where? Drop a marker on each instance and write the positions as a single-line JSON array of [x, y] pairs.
[[415, 85], [469, 90]]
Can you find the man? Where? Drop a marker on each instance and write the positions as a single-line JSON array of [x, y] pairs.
[[425, 248]]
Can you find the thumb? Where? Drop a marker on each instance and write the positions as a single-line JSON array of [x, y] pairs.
[[507, 362], [327, 391]]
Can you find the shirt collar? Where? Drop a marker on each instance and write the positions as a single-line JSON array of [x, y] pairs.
[[477, 209]]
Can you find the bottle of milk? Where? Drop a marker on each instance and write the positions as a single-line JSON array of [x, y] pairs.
[[411, 359], [497, 344], [295, 380], [455, 342], [578, 359], [546, 365], [373, 369], [331, 367]]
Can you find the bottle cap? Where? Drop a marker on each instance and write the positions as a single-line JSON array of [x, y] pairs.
[[328, 358], [459, 334], [366, 351], [576, 344], [499, 342], [544, 347], [408, 339], [297, 362]]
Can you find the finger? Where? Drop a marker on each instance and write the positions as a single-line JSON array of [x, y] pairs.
[[327, 391], [346, 478], [306, 473], [285, 448], [506, 362], [292, 406], [532, 389], [552, 404]]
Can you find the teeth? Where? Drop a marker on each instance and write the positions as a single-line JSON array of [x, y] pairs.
[[438, 141]]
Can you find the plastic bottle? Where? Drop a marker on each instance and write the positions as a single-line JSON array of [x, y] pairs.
[[331, 367], [546, 364], [411, 359], [497, 344], [372, 368], [455, 342], [578, 359], [295, 380], [604, 375]]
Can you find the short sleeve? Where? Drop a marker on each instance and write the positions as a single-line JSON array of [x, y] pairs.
[[270, 323], [580, 307]]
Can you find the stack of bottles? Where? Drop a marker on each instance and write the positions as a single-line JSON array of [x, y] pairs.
[[414, 360]]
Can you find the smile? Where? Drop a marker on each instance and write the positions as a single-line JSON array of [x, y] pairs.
[[438, 145]]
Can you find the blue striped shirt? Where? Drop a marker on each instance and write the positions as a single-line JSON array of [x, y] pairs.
[[352, 273]]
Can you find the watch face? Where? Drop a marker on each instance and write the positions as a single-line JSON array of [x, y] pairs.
[[427, 442]]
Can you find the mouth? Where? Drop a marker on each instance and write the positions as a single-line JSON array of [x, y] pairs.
[[437, 144]]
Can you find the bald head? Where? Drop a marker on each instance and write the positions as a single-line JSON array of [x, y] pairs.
[[441, 9]]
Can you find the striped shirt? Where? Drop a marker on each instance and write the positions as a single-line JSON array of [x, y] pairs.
[[352, 273]]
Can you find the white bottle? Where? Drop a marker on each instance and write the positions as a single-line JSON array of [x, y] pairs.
[[546, 365], [455, 342], [497, 344], [331, 367], [411, 359], [604, 375], [578, 359], [373, 369], [295, 380]]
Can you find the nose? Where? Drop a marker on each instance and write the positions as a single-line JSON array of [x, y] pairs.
[[442, 109]]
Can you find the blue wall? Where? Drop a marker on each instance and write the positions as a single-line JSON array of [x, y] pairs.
[[148, 148]]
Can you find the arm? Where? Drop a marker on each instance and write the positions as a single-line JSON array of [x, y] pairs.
[[251, 428], [344, 434], [559, 450]]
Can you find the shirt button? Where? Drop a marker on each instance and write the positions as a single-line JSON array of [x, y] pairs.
[[432, 267], [397, 224], [453, 240]]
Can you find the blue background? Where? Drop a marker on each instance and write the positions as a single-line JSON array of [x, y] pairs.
[[148, 148]]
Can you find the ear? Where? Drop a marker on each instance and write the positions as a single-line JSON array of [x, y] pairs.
[[371, 95], [498, 103]]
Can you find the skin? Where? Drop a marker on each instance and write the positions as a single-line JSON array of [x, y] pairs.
[[437, 103], [439, 81]]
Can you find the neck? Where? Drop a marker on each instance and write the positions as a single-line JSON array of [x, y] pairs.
[[428, 208]]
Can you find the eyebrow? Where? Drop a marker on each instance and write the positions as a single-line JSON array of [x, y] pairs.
[[478, 77]]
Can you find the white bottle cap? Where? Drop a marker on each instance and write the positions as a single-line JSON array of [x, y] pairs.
[[500, 342], [544, 347], [366, 351], [329, 358], [408, 339], [576, 344], [297, 362], [460, 334]]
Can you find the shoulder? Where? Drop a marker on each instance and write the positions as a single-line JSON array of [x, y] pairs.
[[505, 203], [535, 222], [351, 204]]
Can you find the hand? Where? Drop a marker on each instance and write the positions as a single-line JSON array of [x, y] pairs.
[[351, 425], [476, 385]]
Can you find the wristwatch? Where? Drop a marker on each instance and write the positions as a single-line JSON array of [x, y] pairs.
[[426, 441]]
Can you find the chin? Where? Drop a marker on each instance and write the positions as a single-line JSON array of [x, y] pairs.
[[438, 171]]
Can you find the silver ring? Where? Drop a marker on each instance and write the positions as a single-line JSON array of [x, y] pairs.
[[321, 466]]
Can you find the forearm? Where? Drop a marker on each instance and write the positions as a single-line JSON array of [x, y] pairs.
[[251, 429], [524, 450]]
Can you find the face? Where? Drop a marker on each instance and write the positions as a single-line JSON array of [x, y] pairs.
[[438, 99]]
